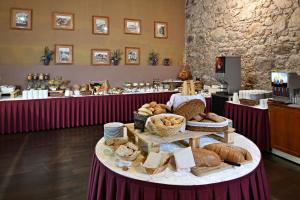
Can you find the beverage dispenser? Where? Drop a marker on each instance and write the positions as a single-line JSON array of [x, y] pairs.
[[228, 73], [286, 87]]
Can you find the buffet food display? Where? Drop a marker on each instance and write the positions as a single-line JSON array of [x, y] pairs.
[[138, 146], [58, 87]]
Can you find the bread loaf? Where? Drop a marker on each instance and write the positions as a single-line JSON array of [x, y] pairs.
[[205, 158], [229, 152]]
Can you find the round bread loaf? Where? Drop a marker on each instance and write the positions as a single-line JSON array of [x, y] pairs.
[[205, 158]]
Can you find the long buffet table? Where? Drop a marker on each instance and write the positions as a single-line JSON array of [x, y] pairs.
[[19, 116], [250, 121]]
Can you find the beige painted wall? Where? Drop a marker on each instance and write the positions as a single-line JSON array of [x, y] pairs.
[[25, 47]]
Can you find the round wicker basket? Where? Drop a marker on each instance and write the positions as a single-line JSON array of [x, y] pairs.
[[190, 108], [162, 130]]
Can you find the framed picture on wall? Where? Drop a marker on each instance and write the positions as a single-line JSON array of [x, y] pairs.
[[100, 56], [21, 19], [100, 25], [63, 54], [132, 56], [161, 30], [63, 21], [132, 26]]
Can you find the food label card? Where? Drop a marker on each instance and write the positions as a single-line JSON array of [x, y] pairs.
[[184, 158]]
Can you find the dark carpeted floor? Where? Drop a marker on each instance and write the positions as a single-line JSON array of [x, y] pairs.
[[55, 165]]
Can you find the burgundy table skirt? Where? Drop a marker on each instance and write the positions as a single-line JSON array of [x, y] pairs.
[[250, 122], [54, 113], [108, 185]]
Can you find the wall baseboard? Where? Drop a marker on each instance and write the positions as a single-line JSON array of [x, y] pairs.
[[286, 156]]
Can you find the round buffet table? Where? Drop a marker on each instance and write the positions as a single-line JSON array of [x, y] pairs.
[[245, 182]]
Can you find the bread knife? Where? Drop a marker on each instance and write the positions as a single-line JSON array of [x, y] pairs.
[[232, 163]]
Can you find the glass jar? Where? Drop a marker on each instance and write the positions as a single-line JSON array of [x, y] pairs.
[[29, 77], [35, 77], [41, 76], [46, 76]]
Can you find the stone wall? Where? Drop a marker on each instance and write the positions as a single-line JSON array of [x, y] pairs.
[[265, 33]]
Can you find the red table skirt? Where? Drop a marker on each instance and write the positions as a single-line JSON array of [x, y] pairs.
[[250, 122], [105, 184], [54, 113]]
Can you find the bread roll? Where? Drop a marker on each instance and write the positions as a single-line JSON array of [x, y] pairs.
[[164, 106], [214, 117], [158, 122], [229, 152], [146, 105], [159, 111], [198, 118], [152, 103], [146, 111], [203, 115], [205, 158], [143, 113]]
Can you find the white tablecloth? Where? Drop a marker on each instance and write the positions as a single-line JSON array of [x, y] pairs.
[[186, 178], [177, 99]]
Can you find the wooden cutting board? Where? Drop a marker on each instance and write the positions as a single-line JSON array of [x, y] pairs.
[[202, 171]]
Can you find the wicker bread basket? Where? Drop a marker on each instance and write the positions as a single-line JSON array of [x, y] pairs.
[[162, 130], [190, 108]]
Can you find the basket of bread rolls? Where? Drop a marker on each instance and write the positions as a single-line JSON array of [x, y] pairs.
[[145, 111], [165, 124]]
